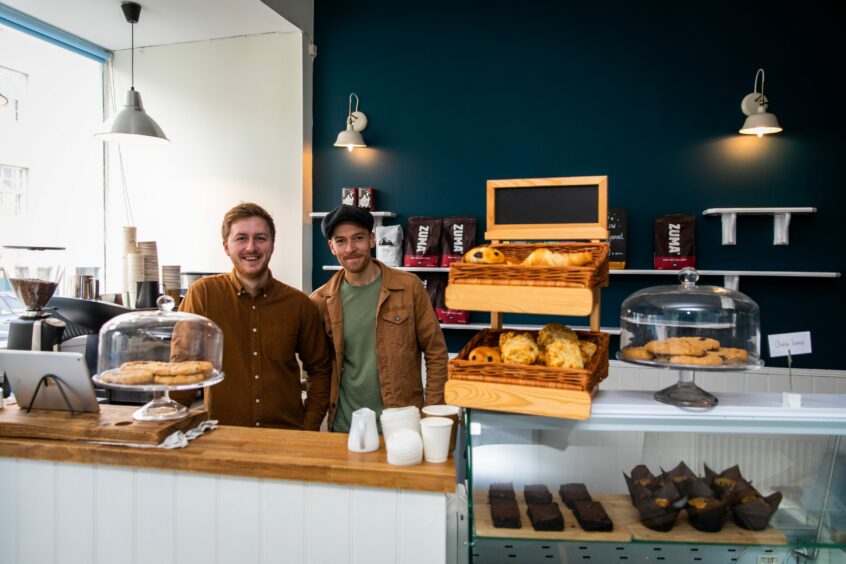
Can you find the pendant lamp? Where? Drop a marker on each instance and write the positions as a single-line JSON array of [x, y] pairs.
[[131, 124], [760, 122], [356, 123]]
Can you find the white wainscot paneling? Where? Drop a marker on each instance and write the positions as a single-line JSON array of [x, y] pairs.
[[103, 514]]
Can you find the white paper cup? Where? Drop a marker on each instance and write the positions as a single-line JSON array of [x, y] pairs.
[[449, 411], [436, 433]]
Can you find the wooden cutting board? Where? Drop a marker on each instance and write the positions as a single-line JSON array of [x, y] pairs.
[[114, 423]]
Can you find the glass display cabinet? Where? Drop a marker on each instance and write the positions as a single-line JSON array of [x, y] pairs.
[[795, 451]]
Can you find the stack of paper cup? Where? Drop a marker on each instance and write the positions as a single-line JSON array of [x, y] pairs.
[[436, 432], [398, 418], [151, 260], [170, 277], [448, 411], [134, 274], [129, 247], [404, 447]]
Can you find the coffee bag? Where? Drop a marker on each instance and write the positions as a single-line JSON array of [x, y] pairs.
[[422, 241], [389, 245], [674, 242], [458, 235]]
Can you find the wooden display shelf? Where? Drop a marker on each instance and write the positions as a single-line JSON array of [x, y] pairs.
[[113, 424], [548, 402], [627, 526], [521, 299]]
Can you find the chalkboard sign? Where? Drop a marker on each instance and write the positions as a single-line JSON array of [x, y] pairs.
[[548, 208]]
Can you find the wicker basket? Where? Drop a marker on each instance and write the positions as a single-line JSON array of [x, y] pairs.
[[591, 275], [585, 379]]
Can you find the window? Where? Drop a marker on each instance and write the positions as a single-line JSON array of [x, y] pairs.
[[51, 166]]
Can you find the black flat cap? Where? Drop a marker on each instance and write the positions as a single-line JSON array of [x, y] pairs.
[[346, 213]]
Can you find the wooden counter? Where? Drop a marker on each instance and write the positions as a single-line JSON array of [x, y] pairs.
[[254, 453], [235, 494]]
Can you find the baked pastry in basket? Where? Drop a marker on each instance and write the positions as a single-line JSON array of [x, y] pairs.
[[545, 257], [484, 255], [554, 331], [518, 348], [485, 354], [563, 353]]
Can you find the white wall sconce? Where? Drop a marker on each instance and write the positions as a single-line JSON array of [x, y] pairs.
[[760, 122], [132, 125], [356, 123], [3, 100]]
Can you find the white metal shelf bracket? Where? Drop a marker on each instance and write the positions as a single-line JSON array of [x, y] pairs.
[[781, 221]]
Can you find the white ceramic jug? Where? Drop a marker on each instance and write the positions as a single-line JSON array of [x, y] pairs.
[[364, 437]]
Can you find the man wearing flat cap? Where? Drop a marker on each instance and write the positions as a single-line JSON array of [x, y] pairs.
[[379, 320]]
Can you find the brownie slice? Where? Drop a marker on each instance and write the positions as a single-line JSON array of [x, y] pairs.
[[592, 516], [546, 517], [505, 513], [537, 494], [573, 492], [503, 490]]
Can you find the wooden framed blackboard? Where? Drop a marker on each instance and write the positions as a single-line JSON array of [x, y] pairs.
[[563, 208]]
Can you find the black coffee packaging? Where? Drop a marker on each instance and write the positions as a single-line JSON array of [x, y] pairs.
[[458, 235], [349, 196], [674, 241], [617, 227], [436, 284], [367, 199], [422, 241]]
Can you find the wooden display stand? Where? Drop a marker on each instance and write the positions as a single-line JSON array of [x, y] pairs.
[[538, 209], [114, 423]]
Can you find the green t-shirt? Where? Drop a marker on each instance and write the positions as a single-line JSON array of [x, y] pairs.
[[360, 379]]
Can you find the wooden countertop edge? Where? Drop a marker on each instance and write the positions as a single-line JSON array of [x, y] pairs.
[[313, 457]]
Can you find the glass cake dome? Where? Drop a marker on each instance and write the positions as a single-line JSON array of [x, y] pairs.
[[690, 328], [159, 351]]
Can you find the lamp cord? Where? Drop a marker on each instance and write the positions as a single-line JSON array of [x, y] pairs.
[[350, 110], [761, 99], [127, 204], [132, 56]]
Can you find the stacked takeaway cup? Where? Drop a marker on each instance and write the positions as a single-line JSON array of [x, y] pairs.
[[404, 430]]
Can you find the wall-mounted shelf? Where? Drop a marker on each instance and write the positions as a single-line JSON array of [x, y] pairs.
[[405, 268], [781, 221], [731, 278], [378, 216]]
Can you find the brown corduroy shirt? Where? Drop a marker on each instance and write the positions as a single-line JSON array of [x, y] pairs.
[[261, 336]]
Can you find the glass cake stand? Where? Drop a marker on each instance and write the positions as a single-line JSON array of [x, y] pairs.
[[690, 328], [161, 407]]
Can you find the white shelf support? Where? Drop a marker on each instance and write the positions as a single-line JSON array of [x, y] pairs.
[[781, 221]]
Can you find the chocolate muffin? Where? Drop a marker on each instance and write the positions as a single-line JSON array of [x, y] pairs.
[[755, 513], [707, 514]]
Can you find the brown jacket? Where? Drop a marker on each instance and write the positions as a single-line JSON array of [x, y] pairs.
[[405, 326]]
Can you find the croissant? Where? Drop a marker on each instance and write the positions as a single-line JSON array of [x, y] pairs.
[[545, 257]]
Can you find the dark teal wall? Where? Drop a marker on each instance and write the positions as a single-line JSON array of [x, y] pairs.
[[647, 93]]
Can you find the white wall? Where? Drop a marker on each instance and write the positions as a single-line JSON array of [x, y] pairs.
[[233, 110]]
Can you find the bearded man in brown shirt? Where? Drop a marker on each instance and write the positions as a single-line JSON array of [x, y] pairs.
[[265, 323]]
